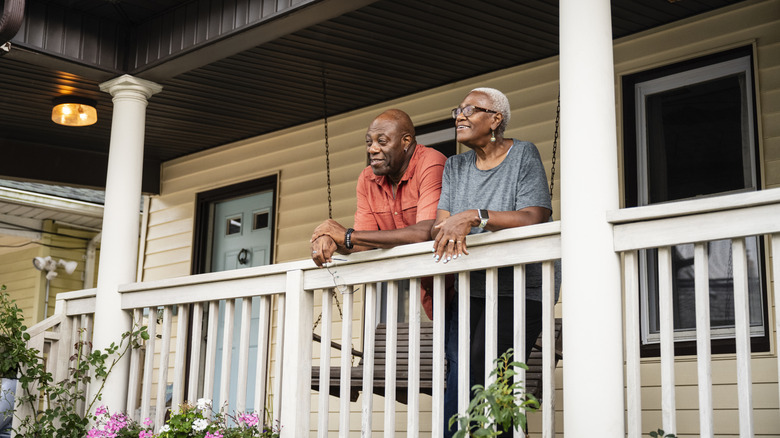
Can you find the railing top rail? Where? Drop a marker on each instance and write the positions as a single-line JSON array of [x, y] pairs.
[[214, 277], [44, 325], [518, 245], [84, 293], [746, 214], [271, 279], [695, 206]]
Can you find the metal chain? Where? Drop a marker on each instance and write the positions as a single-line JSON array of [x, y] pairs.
[[338, 306], [327, 146], [555, 144], [327, 170]]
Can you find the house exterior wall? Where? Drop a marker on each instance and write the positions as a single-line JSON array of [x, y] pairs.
[[298, 156], [23, 282], [27, 285], [751, 23]]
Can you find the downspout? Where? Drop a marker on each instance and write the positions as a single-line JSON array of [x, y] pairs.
[[10, 22], [89, 266]]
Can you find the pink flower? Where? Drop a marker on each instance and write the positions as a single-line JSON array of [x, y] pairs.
[[101, 410], [148, 422], [249, 419], [145, 434], [215, 434]]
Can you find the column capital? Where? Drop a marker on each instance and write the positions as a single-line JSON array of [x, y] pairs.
[[130, 83]]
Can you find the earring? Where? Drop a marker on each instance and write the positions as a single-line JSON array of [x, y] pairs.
[[405, 149], [492, 136]]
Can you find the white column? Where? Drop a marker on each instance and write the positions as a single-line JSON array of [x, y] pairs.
[[121, 216], [592, 313]]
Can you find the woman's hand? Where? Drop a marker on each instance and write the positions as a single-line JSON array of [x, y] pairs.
[[451, 232]]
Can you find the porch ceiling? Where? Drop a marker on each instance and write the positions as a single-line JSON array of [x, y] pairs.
[[230, 89]]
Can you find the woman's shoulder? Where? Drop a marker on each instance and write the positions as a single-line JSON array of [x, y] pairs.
[[522, 149]]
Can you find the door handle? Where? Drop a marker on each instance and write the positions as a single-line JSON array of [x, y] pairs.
[[243, 256]]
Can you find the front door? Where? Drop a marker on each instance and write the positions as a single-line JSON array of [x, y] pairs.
[[242, 232], [239, 235]]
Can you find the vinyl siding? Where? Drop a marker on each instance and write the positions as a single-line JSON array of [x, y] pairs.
[[23, 282], [27, 285], [298, 156]]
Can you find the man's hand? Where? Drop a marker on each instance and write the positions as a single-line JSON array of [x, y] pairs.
[[450, 242], [322, 249], [332, 229]]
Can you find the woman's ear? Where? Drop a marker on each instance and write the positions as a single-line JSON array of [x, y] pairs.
[[497, 119]]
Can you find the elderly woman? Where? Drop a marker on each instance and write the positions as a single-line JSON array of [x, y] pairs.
[[500, 183]]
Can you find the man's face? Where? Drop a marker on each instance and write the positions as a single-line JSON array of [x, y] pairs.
[[385, 145]]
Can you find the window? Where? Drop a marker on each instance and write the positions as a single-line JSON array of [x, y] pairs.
[[233, 225], [690, 132], [439, 135]]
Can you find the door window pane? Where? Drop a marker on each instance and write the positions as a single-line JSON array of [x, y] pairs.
[[261, 220], [233, 225]]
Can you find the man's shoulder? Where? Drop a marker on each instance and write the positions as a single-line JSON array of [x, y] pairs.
[[430, 156]]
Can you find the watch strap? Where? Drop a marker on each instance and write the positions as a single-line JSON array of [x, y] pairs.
[[483, 217], [348, 238]]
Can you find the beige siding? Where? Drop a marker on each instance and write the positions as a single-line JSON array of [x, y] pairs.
[[297, 156], [23, 282], [71, 245], [27, 285]]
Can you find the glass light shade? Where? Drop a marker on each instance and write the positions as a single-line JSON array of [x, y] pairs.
[[74, 112]]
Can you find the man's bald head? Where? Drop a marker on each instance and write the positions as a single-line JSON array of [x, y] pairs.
[[401, 120]]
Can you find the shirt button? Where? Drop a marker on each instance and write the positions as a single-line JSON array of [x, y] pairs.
[[395, 212]]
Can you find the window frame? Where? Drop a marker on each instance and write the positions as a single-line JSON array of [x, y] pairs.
[[635, 170]]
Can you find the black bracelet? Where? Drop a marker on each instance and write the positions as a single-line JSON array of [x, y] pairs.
[[348, 238]]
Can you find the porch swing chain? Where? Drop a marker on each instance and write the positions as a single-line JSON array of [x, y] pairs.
[[327, 171], [555, 144], [327, 146]]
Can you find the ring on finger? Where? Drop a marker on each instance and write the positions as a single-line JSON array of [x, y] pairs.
[[452, 241]]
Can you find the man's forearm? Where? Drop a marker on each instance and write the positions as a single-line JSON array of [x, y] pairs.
[[419, 232]]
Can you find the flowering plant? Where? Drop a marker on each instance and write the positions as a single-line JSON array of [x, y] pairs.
[[118, 425], [47, 408], [191, 421], [202, 422]]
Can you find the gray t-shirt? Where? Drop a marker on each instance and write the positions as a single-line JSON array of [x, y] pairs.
[[518, 182]]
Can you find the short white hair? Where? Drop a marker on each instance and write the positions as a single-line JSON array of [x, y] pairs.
[[500, 104]]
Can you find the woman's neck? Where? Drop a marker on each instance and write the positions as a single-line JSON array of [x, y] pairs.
[[492, 154]]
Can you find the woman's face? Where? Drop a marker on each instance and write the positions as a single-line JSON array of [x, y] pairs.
[[475, 129]]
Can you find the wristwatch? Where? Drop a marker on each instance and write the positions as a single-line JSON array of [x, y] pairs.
[[483, 217], [348, 238]]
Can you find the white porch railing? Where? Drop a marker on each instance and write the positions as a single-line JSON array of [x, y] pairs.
[[292, 286], [55, 336], [285, 308], [732, 217]]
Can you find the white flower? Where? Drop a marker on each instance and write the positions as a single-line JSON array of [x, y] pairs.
[[203, 404], [165, 428], [200, 424]]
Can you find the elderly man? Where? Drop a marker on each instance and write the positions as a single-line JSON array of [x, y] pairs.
[[397, 193]]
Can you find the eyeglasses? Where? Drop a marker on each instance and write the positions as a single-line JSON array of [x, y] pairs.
[[469, 110]]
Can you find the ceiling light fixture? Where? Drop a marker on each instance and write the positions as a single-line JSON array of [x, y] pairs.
[[74, 111]]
